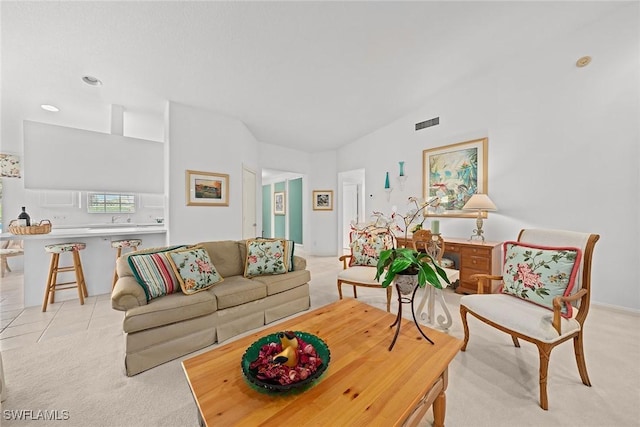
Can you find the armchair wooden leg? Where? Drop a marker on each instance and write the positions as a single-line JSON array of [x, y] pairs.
[[545, 352], [339, 289], [582, 366], [355, 293], [463, 316], [515, 341]]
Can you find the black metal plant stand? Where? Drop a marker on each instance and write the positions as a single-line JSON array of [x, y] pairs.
[[406, 300]]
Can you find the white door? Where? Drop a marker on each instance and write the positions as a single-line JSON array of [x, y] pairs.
[[349, 211], [249, 221]]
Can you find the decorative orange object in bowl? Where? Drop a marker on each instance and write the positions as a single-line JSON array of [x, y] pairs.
[[285, 361]]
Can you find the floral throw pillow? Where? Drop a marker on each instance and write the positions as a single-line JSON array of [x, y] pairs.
[[366, 247], [538, 274], [194, 269], [265, 256]]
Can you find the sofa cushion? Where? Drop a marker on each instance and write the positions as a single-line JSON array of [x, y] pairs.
[[283, 282], [194, 269], [169, 309], [538, 274], [226, 256], [236, 290], [153, 272], [265, 256], [523, 317]]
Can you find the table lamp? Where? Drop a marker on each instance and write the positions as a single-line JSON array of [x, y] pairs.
[[480, 203]]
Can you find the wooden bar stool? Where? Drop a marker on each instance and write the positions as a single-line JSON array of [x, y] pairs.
[[52, 281], [119, 244]]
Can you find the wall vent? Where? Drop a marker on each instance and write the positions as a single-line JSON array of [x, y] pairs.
[[428, 123]]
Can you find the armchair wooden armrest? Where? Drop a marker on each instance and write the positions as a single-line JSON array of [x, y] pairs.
[[558, 303], [344, 259], [482, 278]]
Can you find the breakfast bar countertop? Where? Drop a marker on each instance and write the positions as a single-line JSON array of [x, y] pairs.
[[89, 231], [98, 256]]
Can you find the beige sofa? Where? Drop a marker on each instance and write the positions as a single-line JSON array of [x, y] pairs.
[[177, 324]]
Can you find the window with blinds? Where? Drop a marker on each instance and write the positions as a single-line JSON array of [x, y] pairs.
[[111, 203]]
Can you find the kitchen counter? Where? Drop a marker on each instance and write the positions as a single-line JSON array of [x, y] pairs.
[[98, 258], [91, 230]]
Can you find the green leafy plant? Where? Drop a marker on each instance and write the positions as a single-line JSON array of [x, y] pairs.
[[404, 260], [408, 261]]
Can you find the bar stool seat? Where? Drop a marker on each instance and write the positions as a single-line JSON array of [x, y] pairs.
[[119, 245], [54, 268]]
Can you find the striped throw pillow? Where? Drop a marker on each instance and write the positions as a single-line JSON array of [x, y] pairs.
[[153, 271]]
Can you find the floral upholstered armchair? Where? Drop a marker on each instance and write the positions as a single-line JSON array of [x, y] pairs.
[[544, 298], [359, 267]]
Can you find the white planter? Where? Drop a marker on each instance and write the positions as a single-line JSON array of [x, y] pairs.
[[406, 283]]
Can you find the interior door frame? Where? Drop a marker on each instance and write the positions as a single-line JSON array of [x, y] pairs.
[[249, 203], [356, 176]]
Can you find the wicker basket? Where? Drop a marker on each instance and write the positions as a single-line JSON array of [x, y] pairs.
[[43, 228]]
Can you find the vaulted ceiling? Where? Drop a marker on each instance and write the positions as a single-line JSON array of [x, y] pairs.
[[306, 75]]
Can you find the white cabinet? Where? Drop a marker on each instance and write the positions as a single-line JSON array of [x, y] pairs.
[[152, 201], [59, 199]]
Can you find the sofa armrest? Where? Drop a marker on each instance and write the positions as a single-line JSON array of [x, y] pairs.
[[127, 293], [299, 263]]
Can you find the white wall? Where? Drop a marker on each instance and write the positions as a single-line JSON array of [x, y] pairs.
[[202, 140], [324, 224], [104, 159], [563, 147], [138, 125]]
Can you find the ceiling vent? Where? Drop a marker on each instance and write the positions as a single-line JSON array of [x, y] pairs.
[[428, 123]]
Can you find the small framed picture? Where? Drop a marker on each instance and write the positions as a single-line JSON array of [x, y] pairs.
[[322, 200], [279, 203], [207, 188]]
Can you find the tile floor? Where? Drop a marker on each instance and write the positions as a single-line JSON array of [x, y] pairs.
[[21, 326]]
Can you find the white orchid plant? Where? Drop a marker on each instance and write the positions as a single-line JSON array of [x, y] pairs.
[[404, 260]]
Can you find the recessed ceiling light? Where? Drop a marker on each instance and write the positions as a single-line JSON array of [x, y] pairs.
[[49, 107], [90, 80]]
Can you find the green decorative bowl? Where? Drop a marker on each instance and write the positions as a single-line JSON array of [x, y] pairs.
[[252, 353]]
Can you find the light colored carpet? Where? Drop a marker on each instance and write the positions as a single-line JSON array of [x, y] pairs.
[[492, 384]]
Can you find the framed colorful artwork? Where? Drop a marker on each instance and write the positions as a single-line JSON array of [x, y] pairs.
[[279, 203], [207, 188], [452, 174], [10, 165], [322, 200]]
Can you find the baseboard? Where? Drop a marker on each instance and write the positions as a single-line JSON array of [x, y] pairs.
[[616, 308]]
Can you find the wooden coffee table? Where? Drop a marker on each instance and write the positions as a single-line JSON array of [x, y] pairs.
[[365, 384]]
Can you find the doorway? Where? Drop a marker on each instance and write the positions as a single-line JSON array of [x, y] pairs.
[[351, 185], [287, 221]]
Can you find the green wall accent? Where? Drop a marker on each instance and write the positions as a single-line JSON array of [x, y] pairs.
[[280, 220], [295, 210], [266, 210]]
